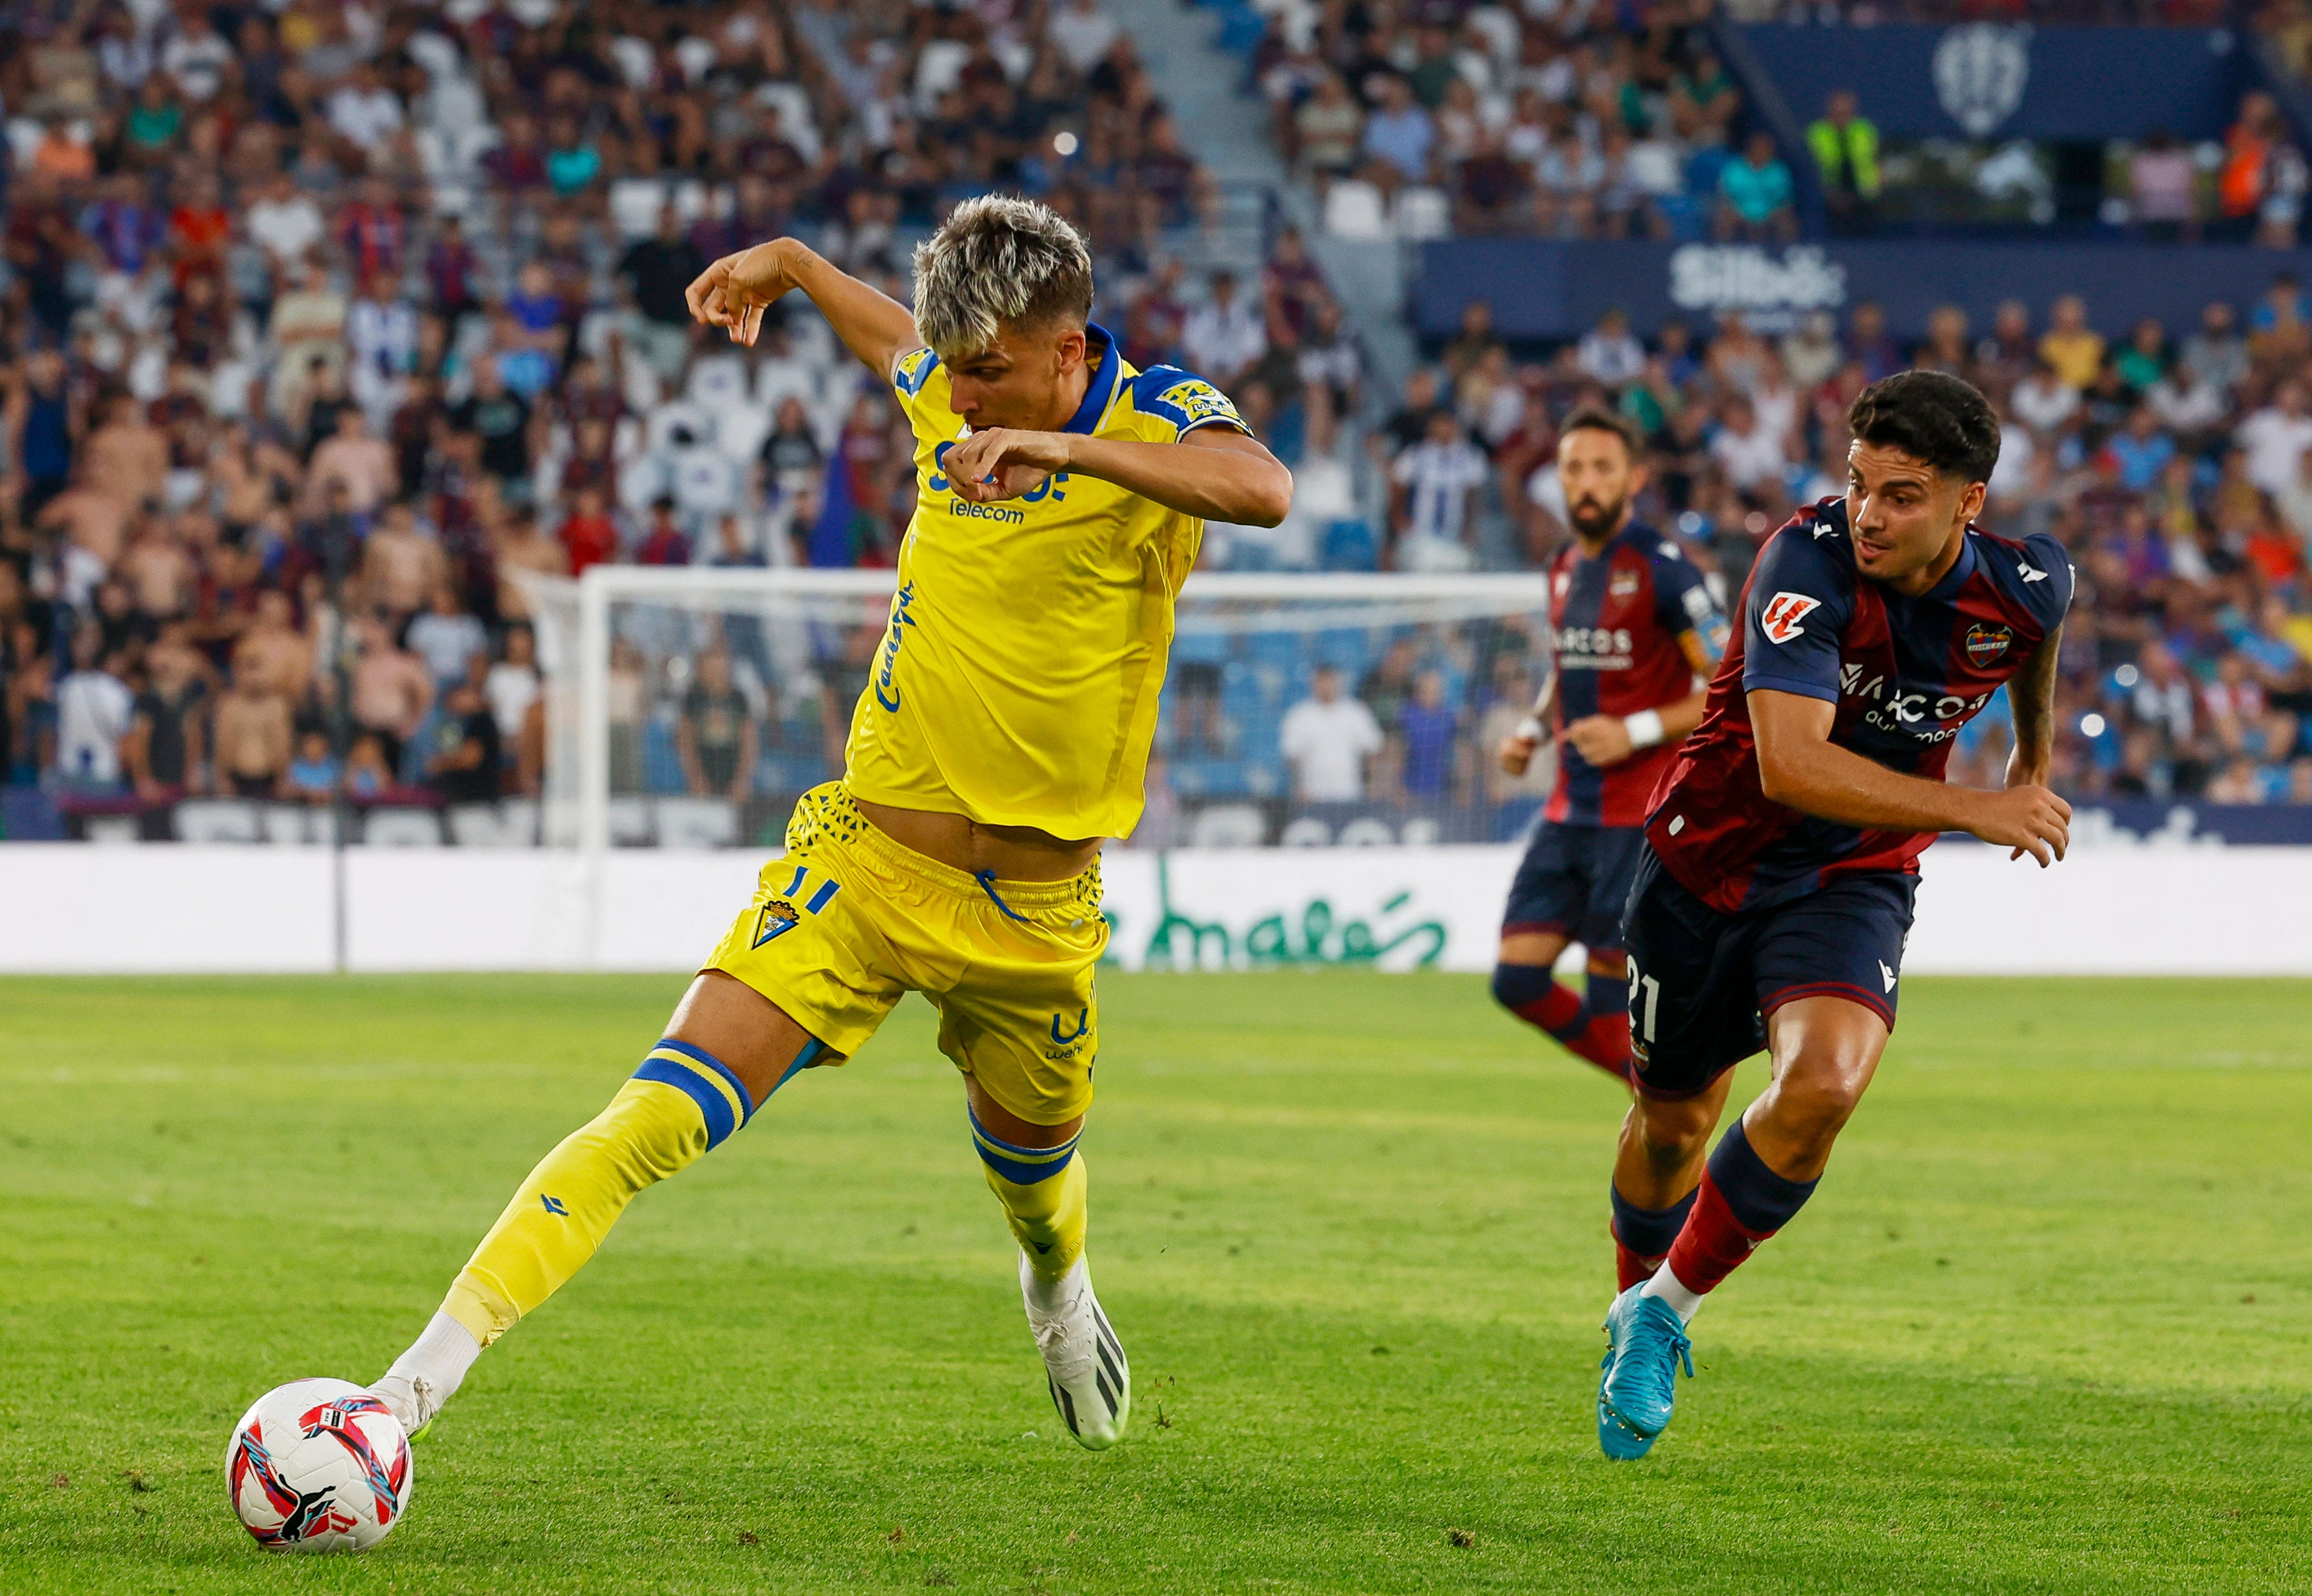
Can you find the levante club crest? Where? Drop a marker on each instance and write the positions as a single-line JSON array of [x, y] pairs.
[[1986, 642]]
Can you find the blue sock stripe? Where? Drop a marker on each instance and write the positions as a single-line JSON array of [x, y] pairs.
[[1649, 1232], [1019, 1173], [701, 1056], [1001, 1145], [711, 1103], [1022, 1166], [1759, 1199]]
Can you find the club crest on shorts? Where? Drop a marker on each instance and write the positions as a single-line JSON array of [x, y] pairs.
[[1985, 643], [1783, 616], [775, 918], [778, 914]]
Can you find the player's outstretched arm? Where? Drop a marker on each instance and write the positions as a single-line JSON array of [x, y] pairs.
[[1800, 765], [733, 293], [2031, 695], [1213, 472]]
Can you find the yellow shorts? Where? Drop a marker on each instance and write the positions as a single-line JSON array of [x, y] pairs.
[[848, 921]]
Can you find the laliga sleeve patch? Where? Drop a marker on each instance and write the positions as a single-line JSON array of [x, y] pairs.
[[914, 370], [1783, 616], [1186, 401]]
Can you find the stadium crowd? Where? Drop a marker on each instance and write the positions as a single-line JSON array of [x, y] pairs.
[[319, 343], [323, 323], [1593, 121]]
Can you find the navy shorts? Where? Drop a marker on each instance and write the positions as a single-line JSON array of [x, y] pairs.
[[1575, 880], [1702, 983]]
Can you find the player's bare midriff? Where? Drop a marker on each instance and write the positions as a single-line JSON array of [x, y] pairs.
[[1014, 853]]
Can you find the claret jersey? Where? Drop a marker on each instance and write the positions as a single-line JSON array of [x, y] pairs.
[[1905, 673], [1018, 678], [1615, 623]]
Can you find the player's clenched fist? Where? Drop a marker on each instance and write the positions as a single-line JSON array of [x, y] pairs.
[[1003, 462], [2029, 820], [735, 291]]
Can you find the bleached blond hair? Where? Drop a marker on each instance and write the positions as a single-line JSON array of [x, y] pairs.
[[998, 261]]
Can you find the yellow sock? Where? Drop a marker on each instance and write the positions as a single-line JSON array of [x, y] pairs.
[[681, 1104], [1047, 1198]]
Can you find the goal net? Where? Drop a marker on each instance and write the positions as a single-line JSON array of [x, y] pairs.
[[689, 706]]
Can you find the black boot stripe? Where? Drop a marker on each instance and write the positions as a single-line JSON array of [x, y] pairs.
[[1106, 1394]]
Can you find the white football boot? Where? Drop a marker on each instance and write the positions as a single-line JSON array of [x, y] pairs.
[[428, 1375], [1083, 1362], [413, 1400]]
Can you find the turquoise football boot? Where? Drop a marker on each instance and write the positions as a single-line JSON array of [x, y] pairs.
[[1645, 1343]]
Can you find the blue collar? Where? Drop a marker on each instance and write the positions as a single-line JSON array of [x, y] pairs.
[[1961, 569], [1102, 386]]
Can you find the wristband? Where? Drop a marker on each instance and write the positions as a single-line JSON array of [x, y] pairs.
[[1532, 729], [1645, 728]]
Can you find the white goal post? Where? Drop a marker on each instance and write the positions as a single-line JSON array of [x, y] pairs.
[[1245, 650]]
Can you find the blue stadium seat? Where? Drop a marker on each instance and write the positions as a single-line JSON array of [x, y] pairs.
[[1349, 546]]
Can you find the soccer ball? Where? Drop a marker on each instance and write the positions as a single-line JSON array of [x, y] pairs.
[[318, 1466]]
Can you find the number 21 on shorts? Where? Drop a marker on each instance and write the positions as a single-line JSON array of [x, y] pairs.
[[1646, 1008]]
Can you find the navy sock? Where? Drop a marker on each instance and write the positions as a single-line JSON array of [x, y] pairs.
[[1607, 995], [1761, 1201], [1515, 986], [1649, 1232]]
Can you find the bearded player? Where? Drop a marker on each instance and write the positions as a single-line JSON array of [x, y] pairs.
[[1004, 733], [1775, 894], [1633, 633]]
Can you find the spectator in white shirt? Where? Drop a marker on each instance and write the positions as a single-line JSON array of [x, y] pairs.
[[2275, 438], [197, 56], [1223, 335], [94, 710], [512, 686], [284, 222], [1329, 740], [1083, 33], [1749, 450], [1609, 353], [445, 637], [2043, 401], [2184, 401], [1435, 480], [364, 110]]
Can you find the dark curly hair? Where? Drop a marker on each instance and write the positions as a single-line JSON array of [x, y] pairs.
[[1930, 417]]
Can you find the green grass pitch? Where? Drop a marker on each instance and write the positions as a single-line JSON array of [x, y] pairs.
[[2044, 1329]]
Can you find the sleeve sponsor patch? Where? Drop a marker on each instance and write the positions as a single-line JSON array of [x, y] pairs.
[[1780, 621]]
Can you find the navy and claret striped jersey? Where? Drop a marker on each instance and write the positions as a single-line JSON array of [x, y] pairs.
[[1615, 622], [1905, 673]]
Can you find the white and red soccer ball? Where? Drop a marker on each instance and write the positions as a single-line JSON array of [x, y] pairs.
[[318, 1466]]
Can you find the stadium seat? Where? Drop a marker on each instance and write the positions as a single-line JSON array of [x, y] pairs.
[[512, 824], [1229, 826], [696, 822], [218, 820], [1349, 546], [397, 827]]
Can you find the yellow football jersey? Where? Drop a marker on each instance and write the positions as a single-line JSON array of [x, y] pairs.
[[1017, 681]]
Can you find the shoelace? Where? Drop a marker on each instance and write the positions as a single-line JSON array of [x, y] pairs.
[[1053, 1340], [1650, 1325]]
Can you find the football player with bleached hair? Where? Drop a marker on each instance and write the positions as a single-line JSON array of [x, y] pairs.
[[1003, 735]]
